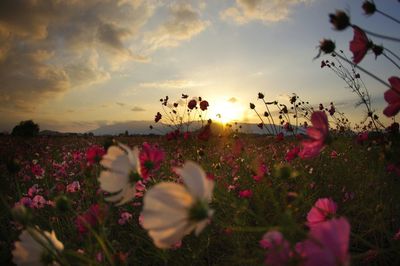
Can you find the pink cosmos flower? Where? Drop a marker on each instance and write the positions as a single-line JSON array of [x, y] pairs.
[[37, 171], [278, 248], [73, 187], [26, 201], [248, 193], [321, 211], [94, 154], [38, 202], [334, 154], [124, 218], [33, 190], [293, 153], [318, 133], [327, 244], [360, 45], [150, 158], [392, 96]]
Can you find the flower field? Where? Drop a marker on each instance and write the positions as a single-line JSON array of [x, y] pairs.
[[264, 204]]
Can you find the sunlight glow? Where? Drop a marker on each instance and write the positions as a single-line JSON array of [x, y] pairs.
[[224, 112]]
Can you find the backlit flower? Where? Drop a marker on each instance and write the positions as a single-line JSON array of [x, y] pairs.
[[327, 244], [317, 134], [392, 96], [192, 104], [123, 171], [321, 211], [94, 154], [278, 248], [36, 248], [171, 211], [360, 45], [150, 158]]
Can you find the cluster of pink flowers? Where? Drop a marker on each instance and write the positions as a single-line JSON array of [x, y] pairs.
[[327, 242]]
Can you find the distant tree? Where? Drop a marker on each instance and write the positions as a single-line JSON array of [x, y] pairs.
[[26, 129]]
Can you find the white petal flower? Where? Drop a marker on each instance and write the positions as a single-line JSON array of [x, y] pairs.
[[36, 248], [123, 170], [171, 211]]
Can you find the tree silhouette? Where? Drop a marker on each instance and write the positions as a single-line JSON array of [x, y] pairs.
[[26, 129]]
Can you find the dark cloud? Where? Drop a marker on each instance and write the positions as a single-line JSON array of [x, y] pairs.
[[48, 47]]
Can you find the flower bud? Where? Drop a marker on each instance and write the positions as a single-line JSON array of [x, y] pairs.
[[369, 7], [340, 20]]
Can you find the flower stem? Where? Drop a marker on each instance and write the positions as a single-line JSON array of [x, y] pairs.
[[388, 16], [363, 70], [380, 35]]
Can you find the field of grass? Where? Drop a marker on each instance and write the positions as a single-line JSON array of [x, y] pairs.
[[257, 189]]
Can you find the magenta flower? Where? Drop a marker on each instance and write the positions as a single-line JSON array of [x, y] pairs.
[[150, 158], [248, 193], [38, 202], [360, 45], [278, 248], [73, 187], [327, 244], [321, 211], [94, 154], [317, 134], [392, 96], [292, 154], [124, 218]]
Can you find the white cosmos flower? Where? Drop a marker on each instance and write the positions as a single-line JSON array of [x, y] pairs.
[[171, 211], [123, 171], [36, 248]]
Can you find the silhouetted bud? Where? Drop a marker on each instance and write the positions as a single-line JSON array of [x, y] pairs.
[[252, 106], [377, 49], [260, 95], [340, 20], [369, 7]]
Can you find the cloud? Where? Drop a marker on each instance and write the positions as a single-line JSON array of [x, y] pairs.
[[138, 109], [121, 104], [170, 84], [232, 100], [266, 11], [183, 24], [49, 47]]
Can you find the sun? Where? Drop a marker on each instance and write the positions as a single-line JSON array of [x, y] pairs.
[[225, 112]]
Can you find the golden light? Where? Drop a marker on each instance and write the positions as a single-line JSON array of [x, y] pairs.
[[225, 112]]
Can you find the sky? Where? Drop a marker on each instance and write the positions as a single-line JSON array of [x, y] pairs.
[[74, 66]]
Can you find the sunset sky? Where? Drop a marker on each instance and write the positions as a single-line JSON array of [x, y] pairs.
[[76, 65]]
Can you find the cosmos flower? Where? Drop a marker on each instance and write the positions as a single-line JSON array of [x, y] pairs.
[[360, 45], [36, 247], [392, 96], [278, 248], [327, 244], [321, 211], [203, 105], [123, 171], [150, 158], [91, 218], [94, 154], [318, 134], [171, 211]]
